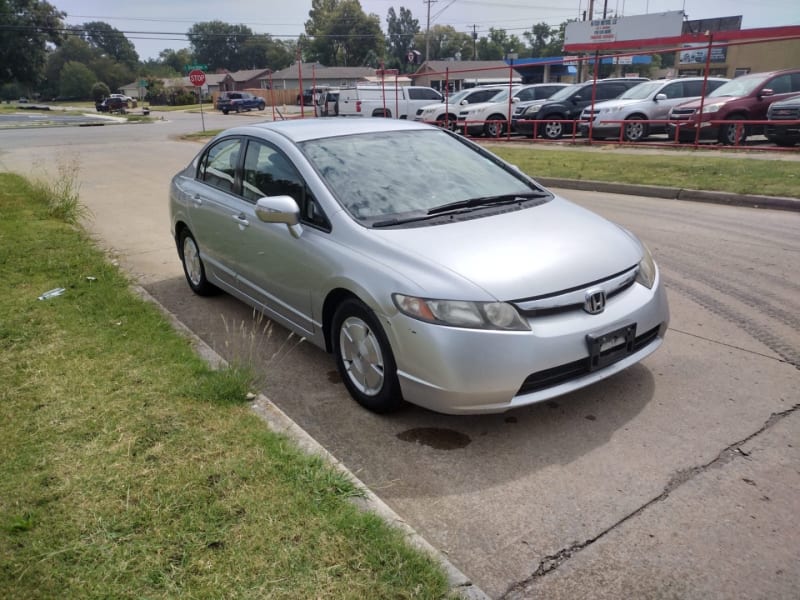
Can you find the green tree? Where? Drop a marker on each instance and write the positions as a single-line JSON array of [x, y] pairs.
[[115, 74], [73, 49], [400, 39], [219, 45], [339, 32], [262, 51], [111, 42], [99, 91], [26, 29], [77, 80], [178, 60], [539, 37], [498, 44], [445, 42]]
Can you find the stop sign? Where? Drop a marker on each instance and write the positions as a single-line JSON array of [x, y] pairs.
[[197, 77]]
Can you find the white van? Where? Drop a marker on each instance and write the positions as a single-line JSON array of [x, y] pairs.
[[385, 101]]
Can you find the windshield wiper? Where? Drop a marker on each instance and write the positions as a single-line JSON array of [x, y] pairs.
[[486, 201], [399, 221]]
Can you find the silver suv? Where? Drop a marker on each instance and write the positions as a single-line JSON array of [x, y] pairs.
[[648, 101]]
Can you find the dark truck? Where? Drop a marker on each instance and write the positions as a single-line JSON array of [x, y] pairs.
[[239, 101]]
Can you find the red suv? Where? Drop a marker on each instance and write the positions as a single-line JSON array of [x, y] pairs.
[[745, 98]]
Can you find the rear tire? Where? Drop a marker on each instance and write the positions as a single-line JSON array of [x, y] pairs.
[[364, 358], [193, 267]]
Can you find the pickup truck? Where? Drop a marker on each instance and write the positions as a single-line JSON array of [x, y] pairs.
[[388, 101], [239, 101]]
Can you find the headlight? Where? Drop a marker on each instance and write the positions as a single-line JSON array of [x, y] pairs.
[[462, 313], [712, 108], [533, 109], [647, 269]]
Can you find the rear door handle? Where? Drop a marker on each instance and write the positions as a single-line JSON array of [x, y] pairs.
[[197, 200]]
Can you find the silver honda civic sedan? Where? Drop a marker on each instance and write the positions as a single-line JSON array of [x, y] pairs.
[[433, 271]]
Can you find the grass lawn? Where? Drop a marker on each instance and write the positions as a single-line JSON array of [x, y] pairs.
[[678, 168], [130, 469]]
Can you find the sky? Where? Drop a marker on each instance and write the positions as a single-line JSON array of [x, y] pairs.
[[153, 25]]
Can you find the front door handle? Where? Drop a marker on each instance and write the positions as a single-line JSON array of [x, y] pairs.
[[241, 220], [197, 200]]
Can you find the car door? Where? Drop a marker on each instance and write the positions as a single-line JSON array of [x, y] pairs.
[[274, 268], [676, 93], [212, 205]]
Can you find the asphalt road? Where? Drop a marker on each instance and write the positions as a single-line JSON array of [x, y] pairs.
[[678, 478]]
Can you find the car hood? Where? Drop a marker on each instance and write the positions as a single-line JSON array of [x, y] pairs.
[[709, 100], [519, 254]]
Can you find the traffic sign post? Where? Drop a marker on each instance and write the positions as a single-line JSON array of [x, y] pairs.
[[197, 79]]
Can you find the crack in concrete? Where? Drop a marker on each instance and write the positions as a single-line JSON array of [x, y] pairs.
[[551, 562]]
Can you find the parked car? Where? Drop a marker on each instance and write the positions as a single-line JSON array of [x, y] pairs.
[[439, 284], [385, 101], [566, 105], [445, 113], [742, 99], [648, 101], [492, 118], [785, 110], [123, 97], [111, 105], [238, 102]]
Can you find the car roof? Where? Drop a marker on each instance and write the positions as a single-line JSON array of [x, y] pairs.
[[301, 130]]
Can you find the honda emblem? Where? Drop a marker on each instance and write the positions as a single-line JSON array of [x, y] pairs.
[[595, 302]]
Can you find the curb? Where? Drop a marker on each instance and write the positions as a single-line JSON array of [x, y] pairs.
[[279, 422], [730, 199]]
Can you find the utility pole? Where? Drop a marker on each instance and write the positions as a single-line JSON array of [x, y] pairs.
[[428, 30], [474, 42]]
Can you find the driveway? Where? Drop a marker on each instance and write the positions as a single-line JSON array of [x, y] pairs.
[[677, 478]]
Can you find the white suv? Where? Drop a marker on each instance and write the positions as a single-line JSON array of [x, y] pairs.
[[445, 114], [492, 118], [648, 101]]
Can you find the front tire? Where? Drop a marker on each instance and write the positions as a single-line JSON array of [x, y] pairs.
[[193, 267], [728, 132], [553, 130], [635, 129], [495, 126], [364, 358]]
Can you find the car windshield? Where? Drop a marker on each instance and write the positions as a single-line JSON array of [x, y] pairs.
[[641, 91], [737, 87], [563, 93], [384, 174]]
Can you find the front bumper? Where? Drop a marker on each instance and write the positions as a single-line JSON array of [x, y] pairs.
[[466, 371], [687, 130]]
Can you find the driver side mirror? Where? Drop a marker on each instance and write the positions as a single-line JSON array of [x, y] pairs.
[[660, 97], [766, 92]]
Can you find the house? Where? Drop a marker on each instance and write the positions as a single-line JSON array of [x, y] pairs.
[[459, 74], [317, 75]]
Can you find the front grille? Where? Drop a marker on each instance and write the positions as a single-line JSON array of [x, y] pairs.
[[555, 310], [554, 376], [784, 114], [682, 113]]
